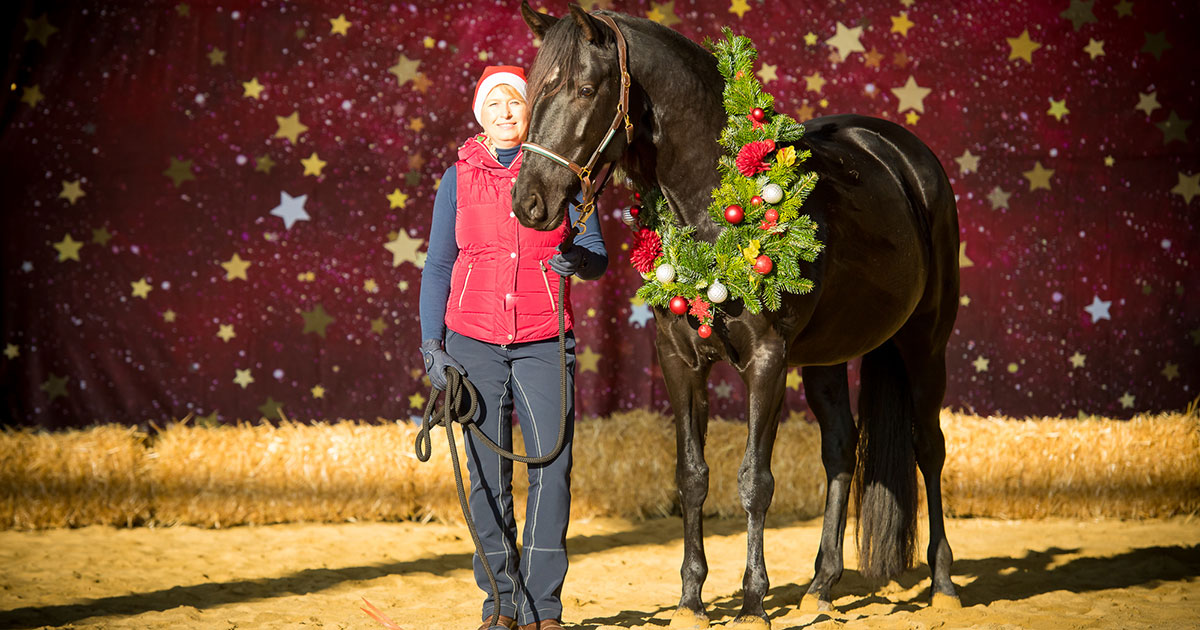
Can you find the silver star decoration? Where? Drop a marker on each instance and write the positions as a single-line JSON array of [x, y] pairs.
[[290, 209]]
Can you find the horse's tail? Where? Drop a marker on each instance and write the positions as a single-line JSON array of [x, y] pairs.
[[885, 492]]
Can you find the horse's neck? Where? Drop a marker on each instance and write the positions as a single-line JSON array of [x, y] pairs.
[[683, 87]]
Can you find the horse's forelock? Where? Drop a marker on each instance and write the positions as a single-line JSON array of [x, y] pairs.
[[557, 60]]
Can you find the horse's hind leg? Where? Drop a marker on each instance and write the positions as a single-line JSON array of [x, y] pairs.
[[927, 377], [687, 387], [766, 377], [828, 395]]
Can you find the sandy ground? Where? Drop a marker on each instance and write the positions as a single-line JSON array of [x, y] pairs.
[[1052, 574]]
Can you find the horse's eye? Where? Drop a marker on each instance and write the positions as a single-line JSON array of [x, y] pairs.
[[586, 91]]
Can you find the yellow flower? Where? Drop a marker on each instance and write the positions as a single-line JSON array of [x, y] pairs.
[[786, 156], [751, 253]]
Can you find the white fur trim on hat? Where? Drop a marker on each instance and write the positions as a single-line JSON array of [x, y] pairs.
[[493, 76]]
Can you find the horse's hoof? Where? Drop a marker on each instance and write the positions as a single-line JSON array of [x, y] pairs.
[[813, 603], [749, 623], [685, 619], [946, 602]]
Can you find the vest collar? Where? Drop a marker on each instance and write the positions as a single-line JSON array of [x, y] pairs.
[[475, 153]]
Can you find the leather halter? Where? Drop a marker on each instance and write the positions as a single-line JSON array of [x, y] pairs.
[[584, 173]]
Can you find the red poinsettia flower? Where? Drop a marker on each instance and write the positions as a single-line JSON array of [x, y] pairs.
[[750, 159], [757, 124], [701, 310], [647, 247]]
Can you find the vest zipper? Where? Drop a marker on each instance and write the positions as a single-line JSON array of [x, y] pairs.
[[549, 294], [470, 267]]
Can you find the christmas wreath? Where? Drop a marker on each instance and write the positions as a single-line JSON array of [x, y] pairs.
[[756, 258]]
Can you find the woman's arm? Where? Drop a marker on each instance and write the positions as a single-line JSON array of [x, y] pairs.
[[595, 260], [442, 252]]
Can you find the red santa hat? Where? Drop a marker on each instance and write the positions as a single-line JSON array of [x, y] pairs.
[[497, 75]]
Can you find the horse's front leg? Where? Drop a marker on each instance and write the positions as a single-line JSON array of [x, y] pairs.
[[687, 386], [765, 377]]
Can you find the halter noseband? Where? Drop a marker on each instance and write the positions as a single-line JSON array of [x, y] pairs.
[[584, 173]]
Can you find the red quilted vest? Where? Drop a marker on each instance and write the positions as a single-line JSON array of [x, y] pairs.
[[501, 290]]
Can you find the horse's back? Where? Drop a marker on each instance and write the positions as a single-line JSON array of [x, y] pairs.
[[887, 216]]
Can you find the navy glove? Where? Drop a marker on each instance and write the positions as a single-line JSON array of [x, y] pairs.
[[568, 263], [436, 361]]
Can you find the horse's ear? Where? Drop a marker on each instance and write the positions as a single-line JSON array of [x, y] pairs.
[[591, 32], [538, 22]]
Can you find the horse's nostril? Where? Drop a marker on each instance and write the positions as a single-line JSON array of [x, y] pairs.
[[537, 211]]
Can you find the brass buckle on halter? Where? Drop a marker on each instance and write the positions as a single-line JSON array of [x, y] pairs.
[[585, 211]]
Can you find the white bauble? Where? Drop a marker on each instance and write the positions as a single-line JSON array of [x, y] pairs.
[[717, 292], [665, 273], [772, 193], [628, 219]]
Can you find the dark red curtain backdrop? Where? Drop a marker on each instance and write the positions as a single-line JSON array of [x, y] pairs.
[[221, 209]]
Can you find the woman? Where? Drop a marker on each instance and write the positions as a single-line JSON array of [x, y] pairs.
[[489, 310]]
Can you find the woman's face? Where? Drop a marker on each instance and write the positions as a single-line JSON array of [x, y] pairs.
[[505, 117]]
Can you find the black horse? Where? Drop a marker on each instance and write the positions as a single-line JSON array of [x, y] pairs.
[[886, 290]]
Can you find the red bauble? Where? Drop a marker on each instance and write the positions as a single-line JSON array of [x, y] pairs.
[[734, 214], [758, 114], [704, 331], [756, 201], [678, 305], [634, 210], [763, 264], [770, 216], [637, 195]]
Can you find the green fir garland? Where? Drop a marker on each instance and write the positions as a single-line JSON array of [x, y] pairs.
[[730, 261]]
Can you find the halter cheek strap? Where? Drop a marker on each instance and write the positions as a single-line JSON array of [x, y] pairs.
[[584, 173]]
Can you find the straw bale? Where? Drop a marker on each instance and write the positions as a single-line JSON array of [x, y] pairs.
[[1145, 467], [72, 478]]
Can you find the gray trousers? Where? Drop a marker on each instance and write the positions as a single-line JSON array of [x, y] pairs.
[[525, 377]]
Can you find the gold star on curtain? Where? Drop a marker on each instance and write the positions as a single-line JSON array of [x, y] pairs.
[[263, 163], [1156, 44], [183, 10], [71, 191], [243, 377], [911, 95], [68, 248], [378, 326], [225, 332], [1080, 13], [101, 236], [981, 364], [40, 30], [141, 288], [404, 248], [967, 162], [1058, 109], [1170, 371], [180, 171], [739, 7], [339, 25], [663, 13], [588, 361], [1039, 177], [901, 23], [1021, 47], [1174, 128], [290, 127], [1078, 360], [397, 199], [814, 82], [32, 96], [846, 40], [1188, 186], [421, 83], [316, 320], [963, 261], [999, 198], [1148, 102], [313, 165], [1095, 48], [416, 401], [169, 316], [1124, 8], [235, 268], [318, 391], [11, 351], [216, 57], [794, 379], [272, 409], [56, 386], [405, 69], [252, 88], [873, 57], [767, 73]]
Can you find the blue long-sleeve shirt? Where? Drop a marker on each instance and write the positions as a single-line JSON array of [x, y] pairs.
[[443, 249]]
